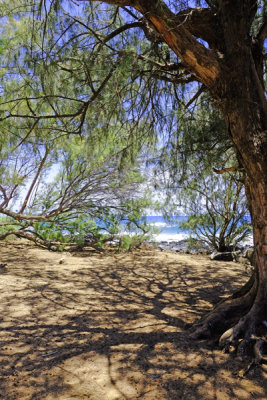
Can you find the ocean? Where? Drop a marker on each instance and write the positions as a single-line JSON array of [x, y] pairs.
[[168, 229]]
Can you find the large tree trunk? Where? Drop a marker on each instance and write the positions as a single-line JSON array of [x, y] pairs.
[[244, 315]]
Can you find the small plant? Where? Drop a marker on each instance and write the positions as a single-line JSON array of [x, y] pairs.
[[128, 242]]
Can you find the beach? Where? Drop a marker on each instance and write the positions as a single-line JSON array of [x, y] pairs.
[[112, 326]]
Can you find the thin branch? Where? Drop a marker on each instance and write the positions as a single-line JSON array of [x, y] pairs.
[[122, 29], [224, 170], [130, 13], [198, 93], [28, 134], [49, 116], [43, 98], [3, 190], [262, 35], [7, 198], [22, 217], [97, 93], [100, 40], [34, 181], [171, 79], [167, 67]]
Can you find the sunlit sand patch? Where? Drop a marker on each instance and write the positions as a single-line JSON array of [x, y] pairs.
[[107, 326]]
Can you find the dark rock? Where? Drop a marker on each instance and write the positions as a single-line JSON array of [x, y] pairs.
[[200, 247], [225, 256], [185, 246], [182, 245], [89, 238], [246, 256]]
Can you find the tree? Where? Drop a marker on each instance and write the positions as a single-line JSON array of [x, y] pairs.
[[219, 44], [57, 185], [216, 47], [214, 201], [216, 210], [60, 193]]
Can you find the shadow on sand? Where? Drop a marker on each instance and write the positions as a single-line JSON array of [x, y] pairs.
[[106, 327]]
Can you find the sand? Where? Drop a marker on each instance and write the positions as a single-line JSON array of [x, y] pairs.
[[111, 326]]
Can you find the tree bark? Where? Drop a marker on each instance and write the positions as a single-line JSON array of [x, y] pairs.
[[244, 107]]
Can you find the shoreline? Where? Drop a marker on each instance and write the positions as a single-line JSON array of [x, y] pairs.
[[196, 247]]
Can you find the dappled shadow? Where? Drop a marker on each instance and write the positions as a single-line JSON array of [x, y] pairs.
[[113, 327]]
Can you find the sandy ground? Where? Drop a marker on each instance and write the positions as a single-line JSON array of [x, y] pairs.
[[112, 327]]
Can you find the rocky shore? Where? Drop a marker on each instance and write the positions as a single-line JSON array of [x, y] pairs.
[[243, 254], [184, 246]]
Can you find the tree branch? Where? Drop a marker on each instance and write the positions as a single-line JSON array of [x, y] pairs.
[[198, 60], [137, 24], [262, 35], [198, 93], [22, 217], [224, 170], [119, 3], [201, 23], [28, 134], [237, 17], [167, 67], [39, 170], [2, 189], [7, 198], [172, 78]]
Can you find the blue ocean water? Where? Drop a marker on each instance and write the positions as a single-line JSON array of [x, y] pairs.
[[169, 229]]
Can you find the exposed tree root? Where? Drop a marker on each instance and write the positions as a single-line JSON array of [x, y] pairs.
[[260, 354], [260, 350], [227, 312], [240, 324], [247, 336]]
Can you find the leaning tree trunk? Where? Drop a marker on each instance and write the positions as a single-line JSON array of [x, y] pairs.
[[243, 317]]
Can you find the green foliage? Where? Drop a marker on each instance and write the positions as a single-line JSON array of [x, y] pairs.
[[128, 242], [217, 211], [68, 164], [8, 225], [214, 203]]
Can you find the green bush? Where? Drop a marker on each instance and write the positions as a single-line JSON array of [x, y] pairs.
[[128, 242]]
